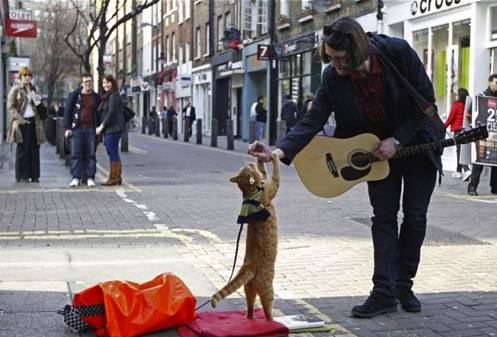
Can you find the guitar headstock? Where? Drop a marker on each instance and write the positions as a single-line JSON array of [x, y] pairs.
[[471, 135]]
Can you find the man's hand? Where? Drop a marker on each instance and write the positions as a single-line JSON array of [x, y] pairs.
[[68, 133], [99, 129], [386, 149], [260, 150]]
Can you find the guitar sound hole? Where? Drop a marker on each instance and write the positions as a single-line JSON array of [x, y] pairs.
[[359, 160]]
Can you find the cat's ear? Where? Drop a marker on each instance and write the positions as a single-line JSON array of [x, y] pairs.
[[234, 179], [251, 180]]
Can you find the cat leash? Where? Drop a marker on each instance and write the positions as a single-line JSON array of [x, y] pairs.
[[234, 264]]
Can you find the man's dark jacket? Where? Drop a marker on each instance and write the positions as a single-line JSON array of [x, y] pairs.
[[335, 94], [71, 110]]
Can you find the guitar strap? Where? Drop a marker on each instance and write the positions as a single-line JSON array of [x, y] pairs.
[[427, 108]]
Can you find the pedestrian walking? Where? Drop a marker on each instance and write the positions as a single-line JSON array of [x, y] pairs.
[[306, 106], [354, 87], [171, 113], [289, 112], [478, 168], [260, 118], [80, 121], [112, 125], [455, 121], [189, 117], [26, 128]]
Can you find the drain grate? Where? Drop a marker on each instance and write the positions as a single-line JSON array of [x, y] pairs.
[[436, 236]]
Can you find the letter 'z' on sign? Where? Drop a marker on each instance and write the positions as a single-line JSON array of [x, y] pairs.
[[265, 52]]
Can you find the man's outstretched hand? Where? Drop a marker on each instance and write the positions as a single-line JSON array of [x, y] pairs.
[[260, 150]]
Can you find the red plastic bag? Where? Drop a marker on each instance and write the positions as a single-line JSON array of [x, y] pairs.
[[133, 309]]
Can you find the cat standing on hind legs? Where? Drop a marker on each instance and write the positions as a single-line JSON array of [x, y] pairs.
[[257, 272]]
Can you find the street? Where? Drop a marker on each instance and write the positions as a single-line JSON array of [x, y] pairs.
[[176, 212]]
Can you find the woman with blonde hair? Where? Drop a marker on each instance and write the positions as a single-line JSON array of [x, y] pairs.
[[26, 127], [112, 117]]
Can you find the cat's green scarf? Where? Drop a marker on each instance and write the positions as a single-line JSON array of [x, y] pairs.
[[252, 210]]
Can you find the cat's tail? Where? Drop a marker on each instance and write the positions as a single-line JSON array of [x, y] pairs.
[[242, 278]]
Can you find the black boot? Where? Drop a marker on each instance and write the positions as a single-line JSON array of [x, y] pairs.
[[376, 304], [407, 300], [472, 190]]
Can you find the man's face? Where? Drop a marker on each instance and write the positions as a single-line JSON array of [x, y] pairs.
[[87, 83], [339, 59], [493, 85]]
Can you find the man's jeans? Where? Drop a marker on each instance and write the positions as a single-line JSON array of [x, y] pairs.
[[259, 132], [397, 254], [83, 149]]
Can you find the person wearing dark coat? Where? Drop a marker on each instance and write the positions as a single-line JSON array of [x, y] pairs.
[[367, 96], [289, 113], [189, 117], [477, 169], [170, 114], [112, 125]]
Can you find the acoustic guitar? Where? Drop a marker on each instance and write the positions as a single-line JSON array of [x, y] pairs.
[[330, 166]]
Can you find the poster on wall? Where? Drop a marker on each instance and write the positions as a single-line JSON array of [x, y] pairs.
[[486, 113]]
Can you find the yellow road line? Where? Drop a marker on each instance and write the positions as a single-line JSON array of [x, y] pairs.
[[335, 327]]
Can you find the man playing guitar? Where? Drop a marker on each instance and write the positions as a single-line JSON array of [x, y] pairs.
[[366, 95]]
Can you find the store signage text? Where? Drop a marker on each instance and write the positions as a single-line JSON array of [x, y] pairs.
[[19, 24], [420, 7]]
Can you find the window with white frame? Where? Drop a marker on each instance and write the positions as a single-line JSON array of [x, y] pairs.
[[220, 32], [198, 43], [173, 46], [168, 50], [306, 4], [180, 55], [248, 28], [227, 19], [285, 8], [207, 39], [187, 51], [187, 9], [180, 11], [262, 17]]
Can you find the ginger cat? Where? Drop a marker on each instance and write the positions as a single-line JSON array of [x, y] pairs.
[[257, 272]]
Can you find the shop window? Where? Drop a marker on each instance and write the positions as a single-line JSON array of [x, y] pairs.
[[459, 62], [440, 41], [493, 23]]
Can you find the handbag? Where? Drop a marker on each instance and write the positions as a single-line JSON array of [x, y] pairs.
[[41, 109], [128, 113]]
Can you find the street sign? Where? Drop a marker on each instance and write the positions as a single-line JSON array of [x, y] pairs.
[[265, 52], [21, 28]]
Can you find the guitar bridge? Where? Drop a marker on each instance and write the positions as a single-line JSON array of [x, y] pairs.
[[331, 165]]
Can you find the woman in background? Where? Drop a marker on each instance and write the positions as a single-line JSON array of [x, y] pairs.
[[455, 121], [26, 128], [112, 117]]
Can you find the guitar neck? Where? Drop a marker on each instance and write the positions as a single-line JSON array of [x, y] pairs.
[[423, 148]]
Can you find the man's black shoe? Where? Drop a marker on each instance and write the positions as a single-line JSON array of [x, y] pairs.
[[407, 300], [376, 304], [493, 191], [472, 190]]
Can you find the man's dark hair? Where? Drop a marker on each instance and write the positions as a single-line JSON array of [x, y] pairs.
[[346, 34], [260, 97], [86, 75], [492, 77]]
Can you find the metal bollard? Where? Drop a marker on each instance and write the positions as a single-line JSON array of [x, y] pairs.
[[151, 125], [214, 133], [175, 128], [230, 141], [144, 124], [57, 136], [199, 131], [280, 131], [60, 130], [252, 131], [125, 139], [186, 130], [157, 126], [165, 127]]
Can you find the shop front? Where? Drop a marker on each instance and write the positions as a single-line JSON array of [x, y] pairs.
[[299, 69], [201, 78], [455, 52], [255, 83]]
